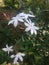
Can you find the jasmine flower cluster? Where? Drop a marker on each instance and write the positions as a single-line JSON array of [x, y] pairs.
[[23, 17], [19, 55]]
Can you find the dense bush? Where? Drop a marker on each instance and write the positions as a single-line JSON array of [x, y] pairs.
[[36, 47], [4, 57]]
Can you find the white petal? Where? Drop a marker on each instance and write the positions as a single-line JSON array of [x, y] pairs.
[[4, 49], [11, 50], [35, 27], [22, 54], [11, 46], [15, 62], [31, 32], [8, 51], [30, 15], [30, 12], [10, 22], [16, 59], [35, 32], [27, 21], [21, 20], [13, 18], [6, 45], [21, 14], [15, 23], [12, 56], [30, 21], [21, 58], [26, 24], [27, 29]]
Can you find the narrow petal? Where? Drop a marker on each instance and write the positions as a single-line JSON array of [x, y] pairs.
[[21, 58], [15, 23], [26, 24], [27, 29], [10, 22], [31, 31], [30, 21], [27, 21], [12, 56], [11, 46], [15, 60], [35, 32], [31, 15], [11, 49], [21, 14], [30, 12], [37, 28], [22, 54], [21, 20], [8, 51], [13, 18], [4, 49], [6, 45]]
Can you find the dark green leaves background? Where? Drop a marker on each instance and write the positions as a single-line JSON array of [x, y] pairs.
[[36, 47]]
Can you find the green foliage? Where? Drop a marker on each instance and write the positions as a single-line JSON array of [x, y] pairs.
[[35, 47], [4, 57]]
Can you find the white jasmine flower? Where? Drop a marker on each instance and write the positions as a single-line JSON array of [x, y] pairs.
[[19, 17], [18, 56], [31, 27], [15, 20], [8, 49], [25, 16]]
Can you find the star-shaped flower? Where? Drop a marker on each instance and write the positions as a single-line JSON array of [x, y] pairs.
[[19, 18], [31, 27], [15, 20], [25, 16], [8, 49], [18, 56]]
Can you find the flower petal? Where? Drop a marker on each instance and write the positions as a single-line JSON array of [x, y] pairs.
[[11, 46], [21, 20], [37, 28], [27, 29], [6, 45], [15, 23], [4, 49], [26, 24], [10, 22], [35, 32], [22, 54], [8, 51], [31, 15], [21, 14], [12, 56], [16, 59], [31, 32], [21, 59]]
